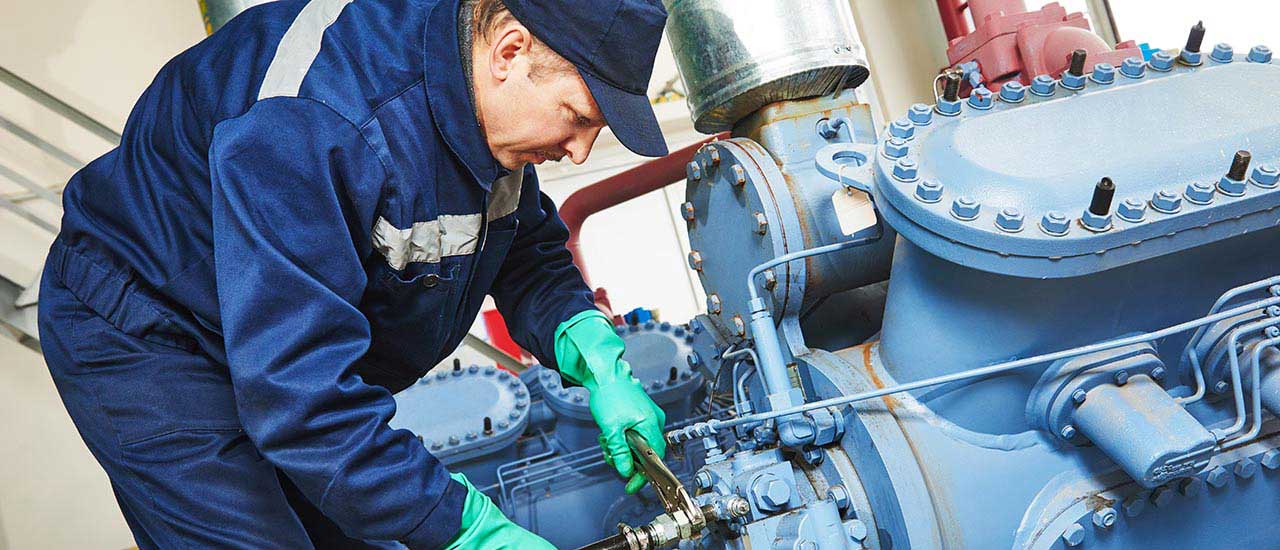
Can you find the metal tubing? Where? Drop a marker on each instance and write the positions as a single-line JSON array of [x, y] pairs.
[[1195, 339], [1256, 427], [1237, 388], [622, 187], [58, 106], [1000, 367]]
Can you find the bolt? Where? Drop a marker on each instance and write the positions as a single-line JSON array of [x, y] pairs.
[[1079, 396], [1221, 387], [920, 114], [1013, 92], [1073, 535], [1239, 165], [905, 170], [1009, 219], [695, 260], [980, 98], [739, 175], [714, 155], [453, 440], [1191, 52], [490, 370], [1105, 518], [1161, 61], [965, 209], [739, 327], [1265, 176], [688, 211], [1165, 201], [1157, 373], [770, 279], [704, 479], [1132, 210], [1271, 459], [1068, 432], [813, 457], [1246, 468], [1222, 53], [1199, 193], [1133, 67], [771, 493], [951, 86], [457, 366], [1134, 506], [1103, 193], [1162, 497], [857, 530], [693, 171], [1103, 73], [902, 128], [473, 369], [436, 445], [1044, 85], [929, 191], [1122, 377], [839, 495], [762, 223], [1191, 487], [1272, 332], [895, 148], [1218, 477], [1273, 311], [1078, 59], [713, 304], [1055, 224], [1260, 54]]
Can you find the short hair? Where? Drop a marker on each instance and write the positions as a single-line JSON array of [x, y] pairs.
[[490, 15]]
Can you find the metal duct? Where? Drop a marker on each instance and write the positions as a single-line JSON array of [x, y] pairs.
[[736, 57], [217, 12]]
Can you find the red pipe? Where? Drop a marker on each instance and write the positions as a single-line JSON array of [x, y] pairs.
[[953, 21], [622, 187]]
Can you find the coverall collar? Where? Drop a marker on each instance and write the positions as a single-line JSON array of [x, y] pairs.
[[448, 98]]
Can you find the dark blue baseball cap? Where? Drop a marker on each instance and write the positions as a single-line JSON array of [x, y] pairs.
[[613, 44]]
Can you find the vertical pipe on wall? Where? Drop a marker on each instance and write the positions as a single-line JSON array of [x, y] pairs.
[[216, 13]]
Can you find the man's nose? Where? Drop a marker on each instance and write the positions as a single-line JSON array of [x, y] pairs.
[[579, 146]]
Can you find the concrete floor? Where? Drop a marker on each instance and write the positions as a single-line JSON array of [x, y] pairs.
[[53, 495]]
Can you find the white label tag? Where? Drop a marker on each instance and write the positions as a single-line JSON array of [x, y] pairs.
[[854, 210]]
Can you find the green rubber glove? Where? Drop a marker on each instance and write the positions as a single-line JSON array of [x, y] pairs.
[[590, 353], [485, 528]]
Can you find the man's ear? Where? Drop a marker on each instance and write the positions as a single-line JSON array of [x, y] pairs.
[[511, 46]]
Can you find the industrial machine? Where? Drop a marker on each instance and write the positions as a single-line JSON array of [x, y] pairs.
[[1077, 341]]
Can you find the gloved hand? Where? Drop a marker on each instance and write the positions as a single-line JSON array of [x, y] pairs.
[[590, 353], [485, 528]]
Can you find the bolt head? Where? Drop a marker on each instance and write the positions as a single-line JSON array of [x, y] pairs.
[[762, 223], [1055, 224], [965, 208], [1191, 487], [1260, 54], [1013, 92], [929, 191], [1162, 61], [1122, 378], [1162, 497], [1009, 219], [905, 170], [1132, 210], [1105, 518], [1221, 387], [920, 114], [1272, 332], [713, 155], [1067, 432], [695, 260], [1079, 396], [1222, 53], [693, 171], [1134, 506], [1073, 82], [1166, 202], [739, 175], [1218, 477], [857, 530], [1158, 373], [770, 279], [1246, 468], [1230, 187], [1104, 73], [1199, 193], [1094, 222], [902, 128], [713, 304], [1073, 535], [771, 493], [1271, 459], [689, 213], [839, 496], [1133, 67], [947, 108], [739, 327], [980, 98], [1044, 85], [1265, 176], [895, 148]]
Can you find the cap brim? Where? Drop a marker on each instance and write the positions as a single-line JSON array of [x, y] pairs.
[[629, 115]]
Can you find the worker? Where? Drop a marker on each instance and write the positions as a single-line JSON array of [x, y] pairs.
[[303, 217]]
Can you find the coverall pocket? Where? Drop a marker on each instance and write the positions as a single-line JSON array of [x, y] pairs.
[[407, 317], [148, 389]]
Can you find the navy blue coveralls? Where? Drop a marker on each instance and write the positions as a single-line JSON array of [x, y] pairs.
[[302, 218]]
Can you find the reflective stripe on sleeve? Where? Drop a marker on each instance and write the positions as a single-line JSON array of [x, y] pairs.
[[299, 47]]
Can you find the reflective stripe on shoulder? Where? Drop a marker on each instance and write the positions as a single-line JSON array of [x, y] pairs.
[[299, 47], [504, 194], [427, 242]]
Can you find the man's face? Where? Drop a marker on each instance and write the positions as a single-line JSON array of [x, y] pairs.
[[532, 105]]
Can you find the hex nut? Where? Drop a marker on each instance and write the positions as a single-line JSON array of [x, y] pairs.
[[1166, 202], [771, 493], [1013, 92], [739, 175], [762, 223], [902, 128], [693, 171], [1073, 82], [905, 170], [857, 530], [1134, 506], [1161, 61], [739, 327], [1073, 535], [1133, 67], [1055, 224], [895, 148], [948, 108], [920, 114], [980, 98], [1260, 54], [1103, 73], [1265, 176], [965, 209], [1094, 222], [1162, 497], [1191, 487], [1246, 468], [1067, 432], [929, 191], [1230, 187], [1009, 220], [1044, 85], [1271, 459], [1218, 477], [1199, 193], [689, 213], [713, 303], [1105, 518], [1132, 210], [695, 260], [1222, 53]]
